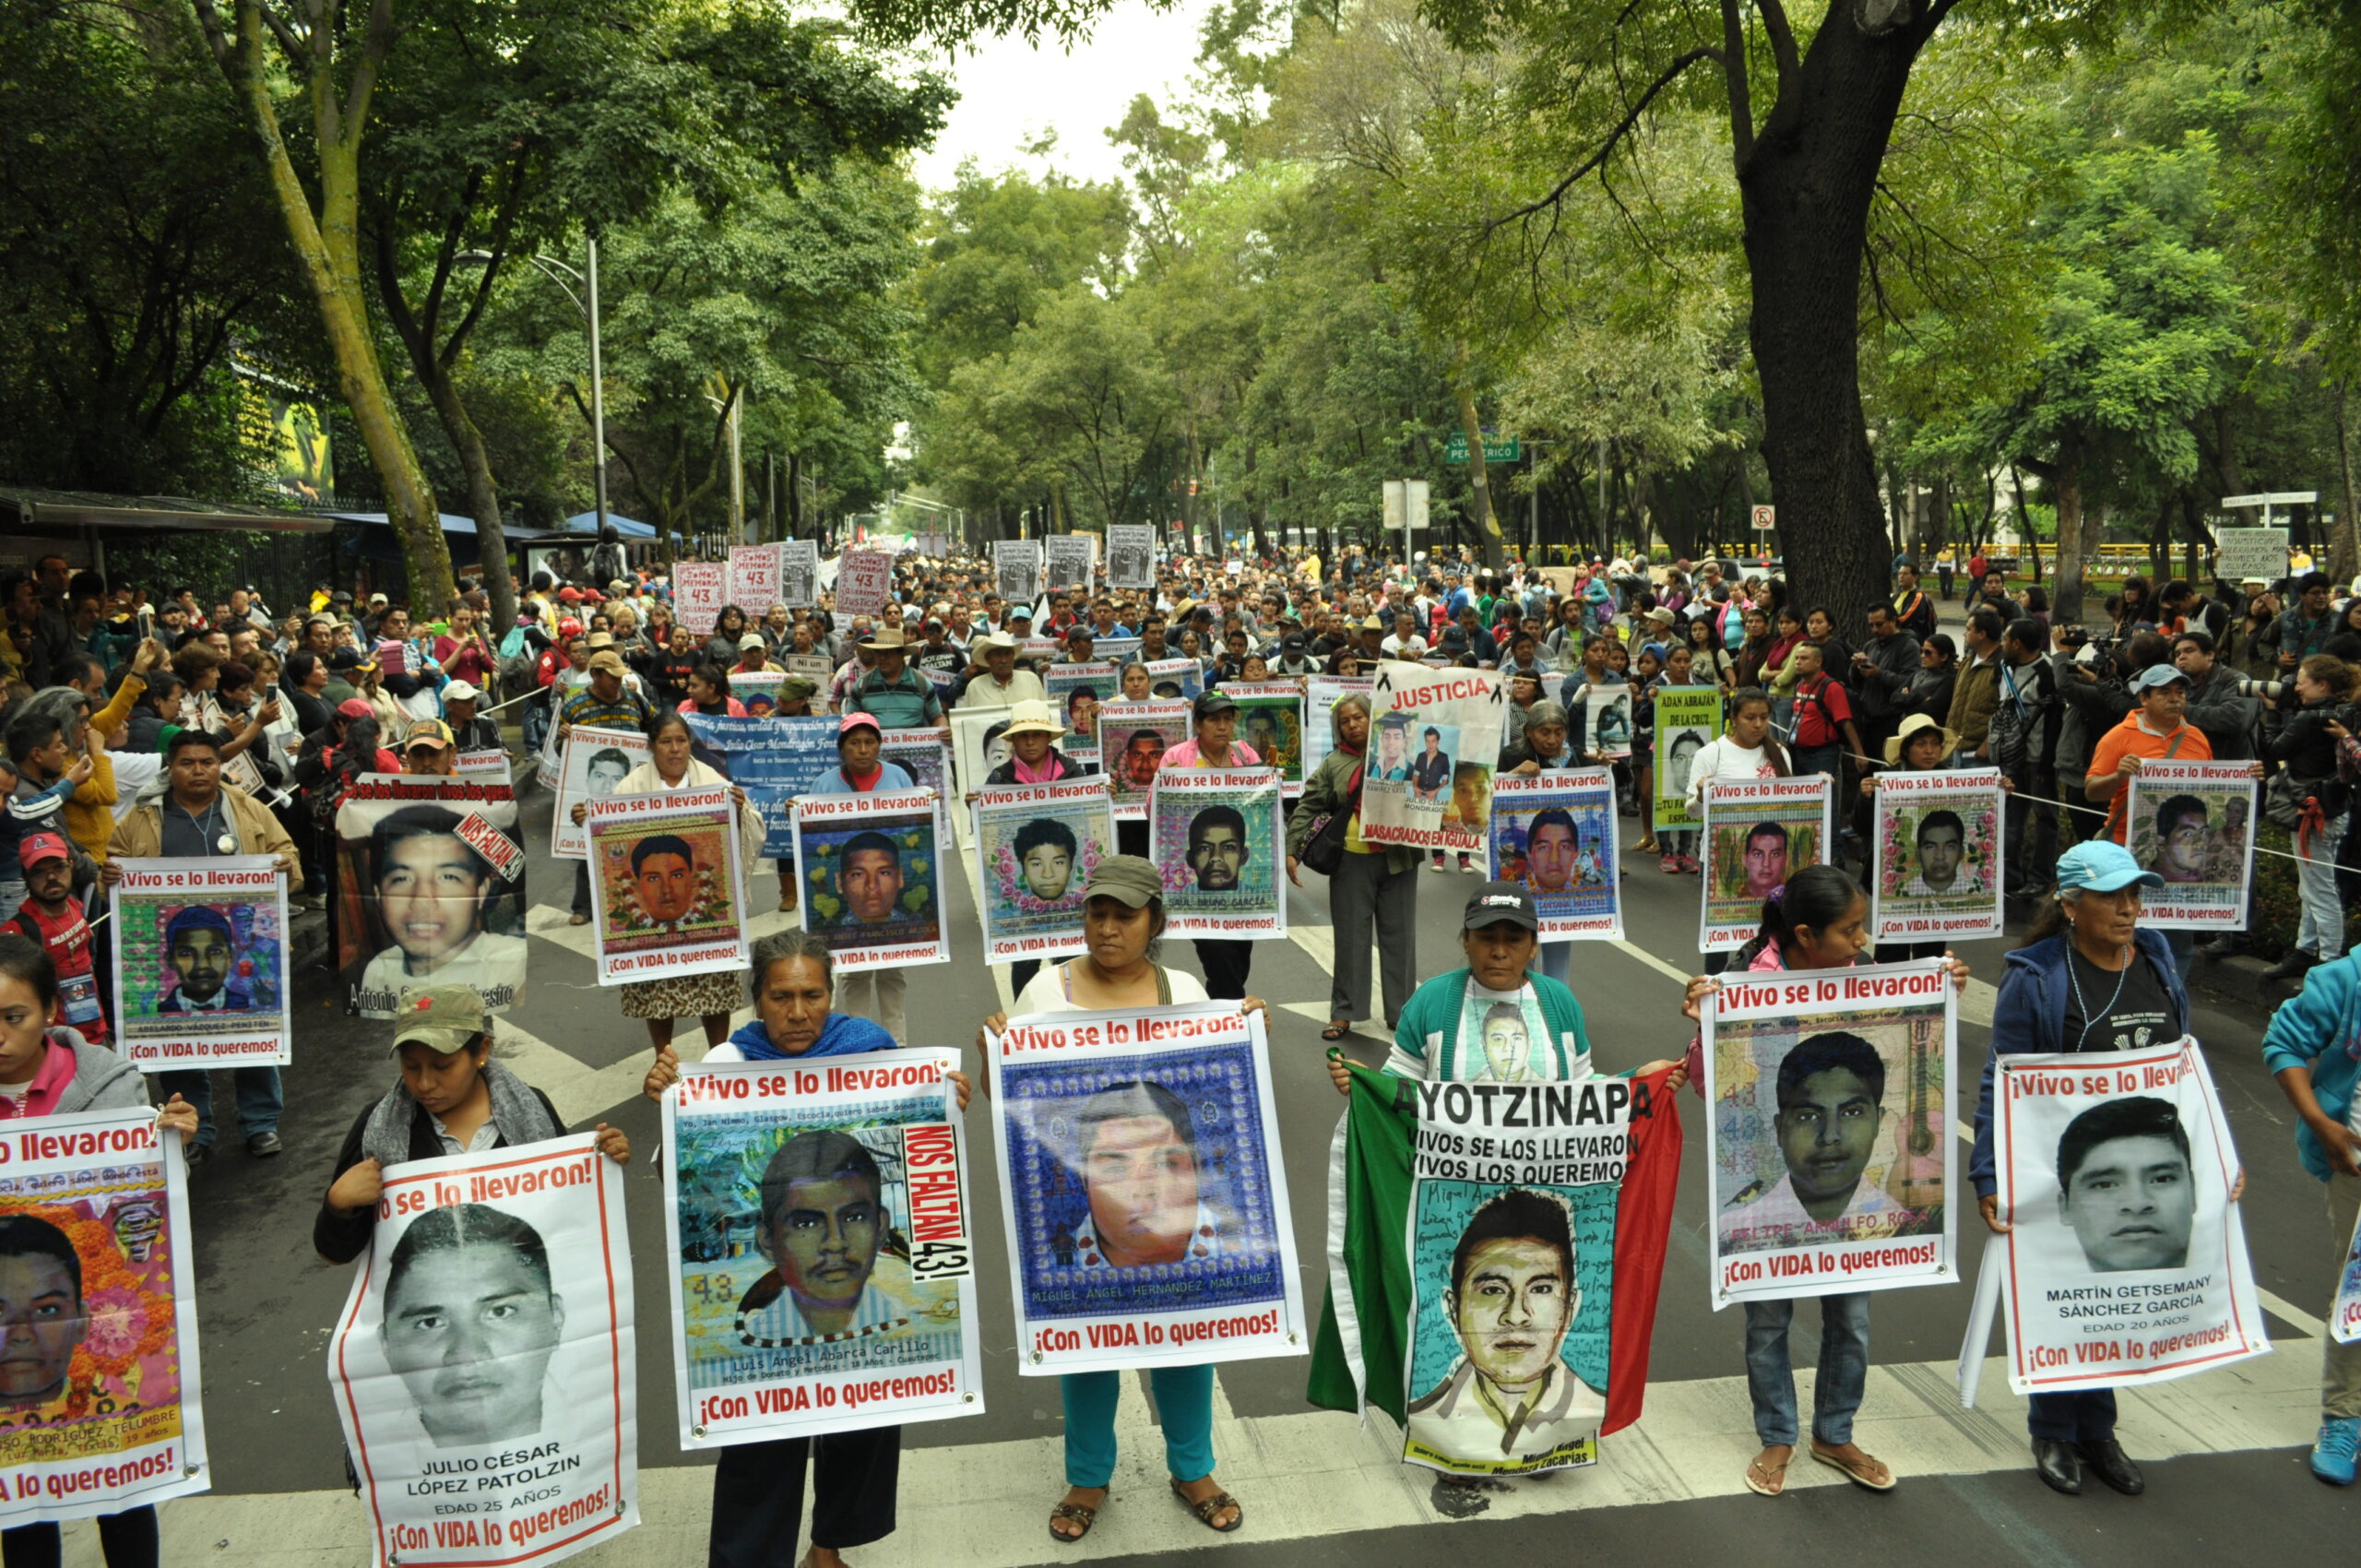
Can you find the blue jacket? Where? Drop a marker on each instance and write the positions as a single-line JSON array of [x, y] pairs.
[[842, 1035], [2319, 1027], [2029, 1019]]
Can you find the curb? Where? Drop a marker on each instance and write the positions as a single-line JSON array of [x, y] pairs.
[[2241, 978]]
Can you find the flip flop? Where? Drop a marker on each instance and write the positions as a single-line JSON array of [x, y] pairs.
[[1766, 1480], [1863, 1472], [1335, 1032]]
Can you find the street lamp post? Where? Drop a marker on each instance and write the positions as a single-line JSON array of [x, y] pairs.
[[586, 306]]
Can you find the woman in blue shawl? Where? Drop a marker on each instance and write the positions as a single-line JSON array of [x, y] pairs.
[[758, 1487]]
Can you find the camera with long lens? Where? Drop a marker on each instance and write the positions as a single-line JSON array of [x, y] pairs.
[[2269, 689]]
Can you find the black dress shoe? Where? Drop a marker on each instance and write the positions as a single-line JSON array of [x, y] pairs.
[[2112, 1464], [2293, 964], [2057, 1466]]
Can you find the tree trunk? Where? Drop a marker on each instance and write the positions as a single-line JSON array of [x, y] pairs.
[[2344, 543], [2073, 547], [483, 495], [1806, 184], [1487, 527]]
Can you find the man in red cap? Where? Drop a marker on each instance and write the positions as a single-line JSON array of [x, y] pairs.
[[52, 917]]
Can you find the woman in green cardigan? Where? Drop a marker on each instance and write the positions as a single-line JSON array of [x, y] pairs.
[[1497, 1021]]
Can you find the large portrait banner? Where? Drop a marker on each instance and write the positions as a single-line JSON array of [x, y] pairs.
[[1078, 693], [798, 574], [1320, 695], [1756, 831], [754, 570], [1036, 846], [1687, 717], [1434, 735], [483, 1367], [100, 1409], [1133, 737], [1141, 1190], [666, 884], [1555, 833], [1271, 721], [1068, 560], [594, 763], [200, 975], [820, 1249], [1130, 556], [2193, 823], [1216, 838], [1607, 720], [872, 877], [424, 895], [1830, 1152], [1016, 570], [1937, 876], [925, 756], [864, 583]]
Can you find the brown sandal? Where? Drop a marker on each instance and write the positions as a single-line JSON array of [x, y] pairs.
[[1868, 1472], [1080, 1513], [1206, 1508], [1336, 1029]]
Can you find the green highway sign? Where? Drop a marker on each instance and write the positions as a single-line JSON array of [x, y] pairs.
[[1496, 448]]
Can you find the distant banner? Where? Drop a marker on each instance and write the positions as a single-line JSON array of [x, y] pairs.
[[1142, 1189], [484, 1365], [2127, 1261], [1270, 719], [1130, 556], [1220, 846], [1077, 692], [864, 583], [700, 589], [2193, 823], [1607, 720], [754, 578], [816, 668], [2250, 552], [1687, 717], [666, 884], [1067, 561], [592, 765], [873, 878], [1016, 570], [494, 766], [1433, 740], [1321, 694], [1937, 871], [821, 1248], [1133, 737], [798, 574], [774, 760], [1757, 832], [1170, 678], [418, 902], [756, 691], [101, 1412], [1831, 1152], [1036, 846], [200, 975], [1555, 833]]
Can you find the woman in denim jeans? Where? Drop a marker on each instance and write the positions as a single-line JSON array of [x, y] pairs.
[[2307, 748], [1821, 922]]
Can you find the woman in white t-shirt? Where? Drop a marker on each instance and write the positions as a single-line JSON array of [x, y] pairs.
[[1747, 751]]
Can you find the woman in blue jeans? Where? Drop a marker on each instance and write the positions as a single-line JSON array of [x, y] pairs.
[[1821, 922]]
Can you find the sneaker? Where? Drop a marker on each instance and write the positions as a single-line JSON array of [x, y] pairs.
[[1435, 865], [2291, 967], [262, 1146], [1669, 865], [1689, 863], [2333, 1454], [197, 1154], [1470, 867]]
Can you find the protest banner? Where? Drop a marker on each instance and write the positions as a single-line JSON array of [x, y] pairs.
[[1434, 736], [925, 756], [1170, 678], [1756, 831], [1831, 1151], [774, 760], [483, 1366], [1554, 833], [1937, 837], [2250, 552], [1494, 1259], [756, 691], [1607, 720], [1117, 651], [1067, 561], [667, 884], [200, 974], [864, 583], [1141, 1190], [1076, 693], [754, 570], [2345, 1314], [103, 1410], [1016, 570], [873, 878], [2193, 823], [1321, 694], [1270, 719], [798, 574], [1130, 556], [887, 1332], [1687, 717], [1220, 846], [1133, 737], [2126, 1262], [420, 901], [491, 766], [1036, 846], [546, 762], [594, 762], [700, 589]]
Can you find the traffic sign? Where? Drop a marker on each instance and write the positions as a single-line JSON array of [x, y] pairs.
[[1765, 519], [2274, 498], [1496, 448]]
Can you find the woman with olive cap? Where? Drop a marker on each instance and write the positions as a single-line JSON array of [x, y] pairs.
[[1122, 921]]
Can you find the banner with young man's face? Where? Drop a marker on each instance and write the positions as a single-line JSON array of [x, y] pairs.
[[1937, 841], [483, 1366], [668, 888], [1221, 850], [429, 889], [2193, 823], [1036, 846], [200, 974], [873, 878], [1686, 718], [1758, 833], [593, 764], [1434, 739], [1554, 834]]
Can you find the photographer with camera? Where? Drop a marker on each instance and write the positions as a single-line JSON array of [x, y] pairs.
[[2307, 796]]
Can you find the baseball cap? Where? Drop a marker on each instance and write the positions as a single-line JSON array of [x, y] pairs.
[[441, 1017], [2101, 865], [569, 595], [797, 688], [1212, 704], [461, 691], [353, 707], [1080, 633], [2157, 675], [37, 846], [376, 598], [852, 721], [752, 640], [609, 660], [1497, 901], [1130, 880], [346, 659], [428, 732]]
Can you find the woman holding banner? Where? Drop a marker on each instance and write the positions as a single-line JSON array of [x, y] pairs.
[[706, 997], [1373, 885], [758, 1487], [1033, 758], [2089, 977], [1123, 919]]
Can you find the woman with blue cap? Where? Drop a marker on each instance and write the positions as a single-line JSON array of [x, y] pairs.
[[2089, 977]]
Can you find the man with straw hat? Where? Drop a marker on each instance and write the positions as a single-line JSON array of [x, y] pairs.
[[897, 696]]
